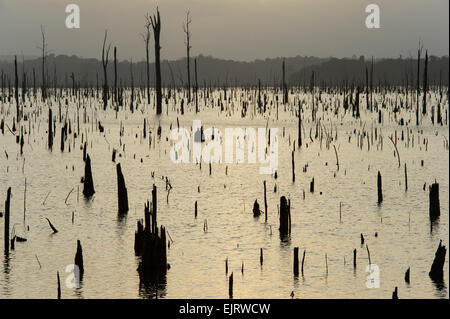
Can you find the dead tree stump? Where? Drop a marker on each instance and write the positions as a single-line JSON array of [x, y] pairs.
[[285, 217], [435, 210], [122, 193], [7, 204], [295, 261], [79, 263], [437, 268], [256, 210], [88, 189], [150, 244], [379, 188]]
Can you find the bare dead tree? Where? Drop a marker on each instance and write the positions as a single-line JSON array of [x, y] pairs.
[[44, 54], [105, 74], [146, 37], [132, 86], [16, 88], [115, 75], [188, 48], [155, 22], [425, 84]]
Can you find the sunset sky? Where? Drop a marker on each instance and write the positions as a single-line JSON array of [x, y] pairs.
[[233, 29]]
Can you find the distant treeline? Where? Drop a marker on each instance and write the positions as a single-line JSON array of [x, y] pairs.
[[211, 71], [400, 71], [66, 71]]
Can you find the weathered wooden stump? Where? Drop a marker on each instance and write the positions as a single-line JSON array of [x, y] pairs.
[[7, 206], [150, 244], [437, 268], [50, 129], [122, 193], [435, 210], [379, 188], [88, 189], [230, 286], [395, 293], [79, 263], [256, 210], [285, 217], [295, 261]]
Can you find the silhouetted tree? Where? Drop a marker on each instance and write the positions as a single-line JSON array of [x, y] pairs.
[[146, 37], [188, 47], [155, 21], [105, 74]]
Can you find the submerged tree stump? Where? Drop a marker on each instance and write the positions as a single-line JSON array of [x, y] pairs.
[[256, 210], [150, 244], [285, 217], [7, 205], [88, 189], [435, 210], [379, 188], [295, 261], [122, 193], [437, 268], [230, 286], [79, 263], [50, 129]]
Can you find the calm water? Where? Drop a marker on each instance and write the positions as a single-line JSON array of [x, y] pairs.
[[197, 258]]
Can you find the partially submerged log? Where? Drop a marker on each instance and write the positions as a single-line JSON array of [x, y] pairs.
[[88, 189], [51, 226], [122, 193]]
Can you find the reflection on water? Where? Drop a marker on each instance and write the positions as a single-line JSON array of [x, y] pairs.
[[326, 222]]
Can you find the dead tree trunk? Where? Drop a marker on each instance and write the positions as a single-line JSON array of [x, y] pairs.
[[122, 193], [379, 188], [437, 268], [188, 48], [196, 87], [155, 21], [150, 244], [50, 129], [115, 74], [425, 84], [16, 88], [105, 74], [7, 205], [146, 38], [88, 190], [43, 84], [285, 217], [435, 210], [79, 263], [296, 261]]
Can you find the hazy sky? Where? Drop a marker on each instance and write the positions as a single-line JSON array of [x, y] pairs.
[[231, 29]]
